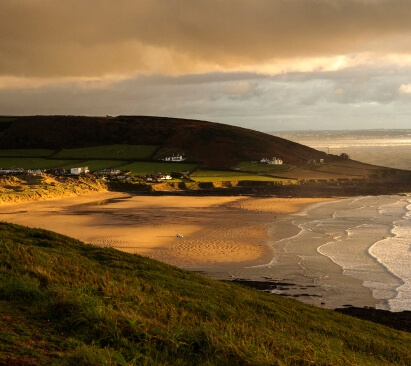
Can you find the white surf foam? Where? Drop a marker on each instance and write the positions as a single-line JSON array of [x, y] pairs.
[[394, 253]]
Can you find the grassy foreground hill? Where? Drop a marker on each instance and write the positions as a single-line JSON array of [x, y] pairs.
[[64, 302]]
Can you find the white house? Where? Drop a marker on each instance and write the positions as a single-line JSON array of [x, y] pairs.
[[79, 170], [12, 171], [166, 177], [175, 158], [275, 161], [35, 171]]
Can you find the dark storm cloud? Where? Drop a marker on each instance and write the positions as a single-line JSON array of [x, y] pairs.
[[263, 64], [49, 38]]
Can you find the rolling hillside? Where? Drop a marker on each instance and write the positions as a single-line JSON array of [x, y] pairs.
[[217, 155], [213, 145]]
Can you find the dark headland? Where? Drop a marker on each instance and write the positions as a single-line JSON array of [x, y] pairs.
[[211, 146]]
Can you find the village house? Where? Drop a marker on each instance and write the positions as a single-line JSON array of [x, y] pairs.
[[35, 171], [274, 161], [166, 177], [111, 172], [59, 172], [12, 171], [80, 170], [123, 177], [174, 158], [158, 177]]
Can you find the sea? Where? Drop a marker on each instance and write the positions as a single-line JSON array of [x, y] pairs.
[[352, 249], [391, 148]]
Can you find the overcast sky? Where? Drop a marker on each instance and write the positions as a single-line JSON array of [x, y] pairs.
[[269, 65]]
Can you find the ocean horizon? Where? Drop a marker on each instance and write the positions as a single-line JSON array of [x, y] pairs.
[[383, 147]]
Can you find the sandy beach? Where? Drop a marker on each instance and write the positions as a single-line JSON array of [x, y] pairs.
[[222, 237], [215, 230]]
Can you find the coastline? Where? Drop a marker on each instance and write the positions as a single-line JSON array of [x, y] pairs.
[[217, 231], [223, 237], [331, 256]]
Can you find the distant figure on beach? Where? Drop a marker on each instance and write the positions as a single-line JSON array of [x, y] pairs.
[[179, 236]]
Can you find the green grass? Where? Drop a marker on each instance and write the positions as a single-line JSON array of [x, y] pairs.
[[112, 152], [26, 152], [95, 165], [247, 166], [141, 168], [221, 176], [35, 163], [64, 303]]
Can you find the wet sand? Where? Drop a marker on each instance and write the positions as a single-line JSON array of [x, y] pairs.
[[215, 230], [148, 225], [222, 236]]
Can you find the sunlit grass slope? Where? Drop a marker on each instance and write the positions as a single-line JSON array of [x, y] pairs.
[[64, 302], [221, 176]]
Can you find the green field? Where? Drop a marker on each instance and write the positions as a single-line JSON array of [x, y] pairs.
[[222, 176], [138, 168], [26, 152], [112, 152], [66, 303], [247, 166], [36, 163], [142, 168]]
